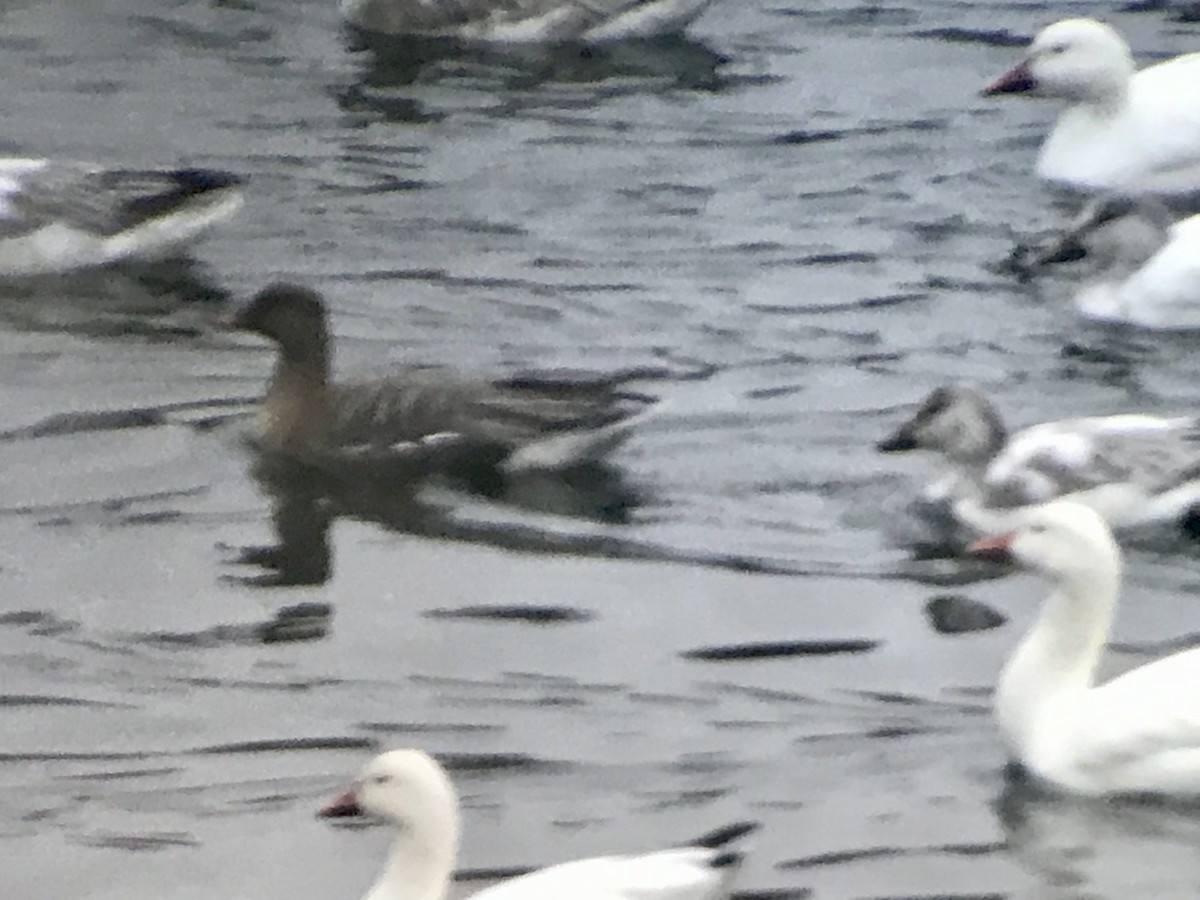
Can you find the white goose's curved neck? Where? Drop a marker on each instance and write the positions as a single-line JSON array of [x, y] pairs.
[[1060, 653], [420, 864], [1111, 102]]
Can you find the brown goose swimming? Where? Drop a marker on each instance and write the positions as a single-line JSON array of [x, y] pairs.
[[425, 416]]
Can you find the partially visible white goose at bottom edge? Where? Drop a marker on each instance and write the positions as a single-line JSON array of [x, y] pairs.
[[1143, 266], [1134, 470], [411, 791], [1123, 129], [524, 21], [1136, 734], [63, 216]]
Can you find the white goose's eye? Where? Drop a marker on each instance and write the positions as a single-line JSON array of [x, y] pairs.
[[1037, 529], [1057, 48], [380, 779]]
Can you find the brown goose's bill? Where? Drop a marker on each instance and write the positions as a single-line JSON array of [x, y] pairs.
[[996, 548], [342, 807], [1017, 80]]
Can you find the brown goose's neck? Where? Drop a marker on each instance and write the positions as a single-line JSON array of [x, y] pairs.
[[297, 406]]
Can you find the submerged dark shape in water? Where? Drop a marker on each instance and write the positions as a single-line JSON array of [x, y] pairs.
[[957, 614]]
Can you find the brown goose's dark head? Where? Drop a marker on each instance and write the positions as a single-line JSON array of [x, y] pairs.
[[291, 315]]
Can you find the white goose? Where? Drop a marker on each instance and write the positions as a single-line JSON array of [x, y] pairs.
[[1123, 130], [1136, 734], [1144, 266], [524, 21], [63, 216], [410, 791], [1134, 470]]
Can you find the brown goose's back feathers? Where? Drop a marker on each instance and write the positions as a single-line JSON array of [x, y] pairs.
[[414, 403]]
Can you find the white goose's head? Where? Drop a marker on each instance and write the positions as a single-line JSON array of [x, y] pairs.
[[410, 791], [1075, 59], [1062, 541], [405, 788]]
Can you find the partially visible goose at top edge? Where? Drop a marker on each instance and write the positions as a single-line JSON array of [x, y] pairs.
[[411, 792], [426, 415], [524, 21], [1123, 130], [63, 216]]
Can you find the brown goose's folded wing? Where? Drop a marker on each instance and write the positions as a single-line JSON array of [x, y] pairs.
[[415, 403]]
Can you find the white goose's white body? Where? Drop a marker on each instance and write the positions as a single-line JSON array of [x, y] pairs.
[[1124, 130], [684, 874], [1137, 734], [411, 791], [1162, 292], [59, 217], [524, 21], [1133, 470]]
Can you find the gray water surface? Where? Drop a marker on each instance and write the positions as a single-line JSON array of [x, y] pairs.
[[794, 220]]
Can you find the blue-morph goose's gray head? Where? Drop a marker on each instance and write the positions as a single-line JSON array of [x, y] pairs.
[[956, 421], [291, 315]]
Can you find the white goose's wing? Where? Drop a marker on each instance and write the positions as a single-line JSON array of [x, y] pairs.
[[1165, 291], [1140, 732], [57, 216], [691, 873], [1168, 92], [1138, 452], [1151, 145]]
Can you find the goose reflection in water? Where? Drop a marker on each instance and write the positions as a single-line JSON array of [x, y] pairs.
[[164, 299], [626, 67], [1078, 842], [305, 503]]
